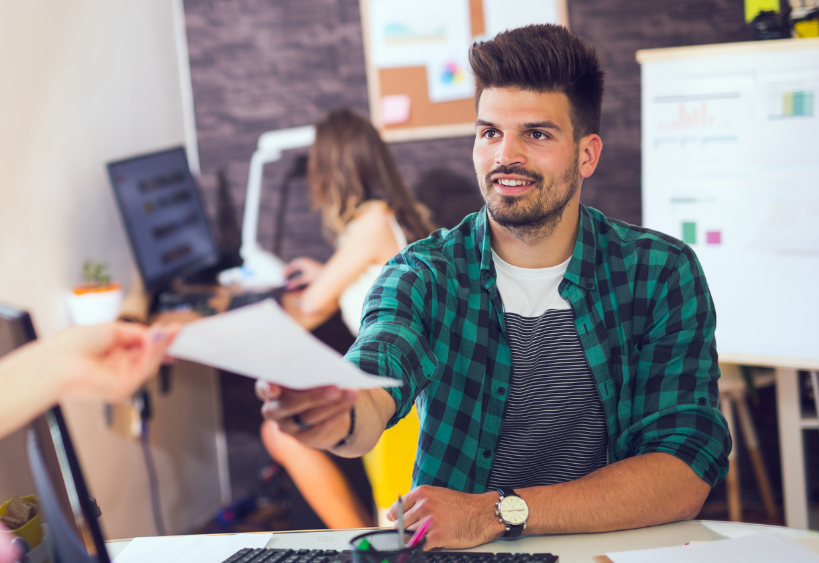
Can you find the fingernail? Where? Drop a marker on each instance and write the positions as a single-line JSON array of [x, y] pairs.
[[332, 393], [350, 394], [158, 335]]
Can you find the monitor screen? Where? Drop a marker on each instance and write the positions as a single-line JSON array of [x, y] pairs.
[[72, 529], [164, 216]]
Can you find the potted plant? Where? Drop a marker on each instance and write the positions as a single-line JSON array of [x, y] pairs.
[[98, 299]]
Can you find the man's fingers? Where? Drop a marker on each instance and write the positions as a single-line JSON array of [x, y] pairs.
[[409, 500], [266, 391], [292, 402], [327, 434], [315, 417]]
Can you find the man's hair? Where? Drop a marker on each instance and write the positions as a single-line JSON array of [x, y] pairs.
[[544, 58]]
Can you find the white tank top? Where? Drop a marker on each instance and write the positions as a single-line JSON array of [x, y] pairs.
[[352, 299]]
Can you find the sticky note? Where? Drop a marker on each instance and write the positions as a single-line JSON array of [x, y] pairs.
[[395, 109]]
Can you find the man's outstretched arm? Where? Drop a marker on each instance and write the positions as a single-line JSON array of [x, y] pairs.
[[646, 490]]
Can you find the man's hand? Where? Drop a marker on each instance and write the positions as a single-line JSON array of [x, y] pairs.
[[458, 520], [318, 417]]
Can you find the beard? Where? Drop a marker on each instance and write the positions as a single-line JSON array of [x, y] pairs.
[[537, 212]]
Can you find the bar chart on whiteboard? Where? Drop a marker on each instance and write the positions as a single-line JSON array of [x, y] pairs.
[[731, 168]]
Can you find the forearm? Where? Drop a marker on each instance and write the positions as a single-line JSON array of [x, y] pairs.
[[373, 409], [645, 490], [28, 388]]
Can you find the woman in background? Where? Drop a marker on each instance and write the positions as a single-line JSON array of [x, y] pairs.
[[370, 213]]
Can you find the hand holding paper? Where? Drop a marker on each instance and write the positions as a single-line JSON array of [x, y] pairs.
[[263, 342]]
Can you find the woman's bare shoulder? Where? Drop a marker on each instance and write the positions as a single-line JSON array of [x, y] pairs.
[[371, 216]]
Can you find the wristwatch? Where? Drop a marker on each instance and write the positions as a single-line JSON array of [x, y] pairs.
[[512, 511]]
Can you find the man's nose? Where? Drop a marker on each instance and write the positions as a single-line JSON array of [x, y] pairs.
[[510, 152]]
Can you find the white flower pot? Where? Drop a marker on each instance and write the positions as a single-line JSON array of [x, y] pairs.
[[94, 306]]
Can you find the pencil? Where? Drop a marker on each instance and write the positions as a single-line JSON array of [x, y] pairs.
[[400, 523]]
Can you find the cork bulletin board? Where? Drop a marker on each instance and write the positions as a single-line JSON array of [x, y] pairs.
[[428, 119]]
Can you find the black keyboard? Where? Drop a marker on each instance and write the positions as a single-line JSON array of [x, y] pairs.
[[250, 298], [333, 556]]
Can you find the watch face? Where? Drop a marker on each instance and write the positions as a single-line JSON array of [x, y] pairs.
[[514, 510]]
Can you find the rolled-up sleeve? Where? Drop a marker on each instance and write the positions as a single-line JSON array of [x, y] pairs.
[[674, 408], [392, 340]]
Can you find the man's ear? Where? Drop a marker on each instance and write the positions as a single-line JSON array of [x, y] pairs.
[[588, 154]]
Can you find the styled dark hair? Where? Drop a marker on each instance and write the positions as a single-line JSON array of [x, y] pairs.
[[349, 164], [544, 58]]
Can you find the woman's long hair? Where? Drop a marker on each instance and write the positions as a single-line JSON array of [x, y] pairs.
[[349, 165]]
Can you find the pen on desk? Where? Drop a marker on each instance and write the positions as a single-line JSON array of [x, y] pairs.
[[400, 523]]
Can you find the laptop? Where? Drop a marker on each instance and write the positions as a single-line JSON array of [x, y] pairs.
[[73, 531]]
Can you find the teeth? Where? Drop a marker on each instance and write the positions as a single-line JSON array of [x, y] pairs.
[[512, 183]]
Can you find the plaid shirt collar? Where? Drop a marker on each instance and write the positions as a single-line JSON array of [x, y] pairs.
[[581, 270]]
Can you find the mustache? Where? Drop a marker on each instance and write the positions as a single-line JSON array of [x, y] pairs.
[[517, 171]]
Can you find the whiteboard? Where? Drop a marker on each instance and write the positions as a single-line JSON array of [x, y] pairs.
[[730, 148]]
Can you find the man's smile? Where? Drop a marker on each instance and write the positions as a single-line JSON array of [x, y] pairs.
[[511, 184]]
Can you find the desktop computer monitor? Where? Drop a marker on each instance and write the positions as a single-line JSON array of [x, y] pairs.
[[163, 213], [64, 503]]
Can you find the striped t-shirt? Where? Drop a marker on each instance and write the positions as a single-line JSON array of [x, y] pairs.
[[554, 427]]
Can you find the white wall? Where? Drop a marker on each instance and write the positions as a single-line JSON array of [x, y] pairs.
[[82, 83]]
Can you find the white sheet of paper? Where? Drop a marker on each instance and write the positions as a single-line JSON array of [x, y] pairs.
[[757, 548], [202, 549], [264, 342], [736, 530]]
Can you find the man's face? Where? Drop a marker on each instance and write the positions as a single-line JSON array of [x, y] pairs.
[[525, 157]]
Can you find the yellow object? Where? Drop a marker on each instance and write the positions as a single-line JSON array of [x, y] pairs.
[[753, 7], [807, 28], [31, 531], [389, 464]]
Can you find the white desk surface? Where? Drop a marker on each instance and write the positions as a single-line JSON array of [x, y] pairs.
[[577, 548]]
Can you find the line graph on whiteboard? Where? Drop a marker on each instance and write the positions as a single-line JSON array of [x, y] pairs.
[[698, 129], [699, 119]]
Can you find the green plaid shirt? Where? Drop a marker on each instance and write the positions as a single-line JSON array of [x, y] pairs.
[[645, 319]]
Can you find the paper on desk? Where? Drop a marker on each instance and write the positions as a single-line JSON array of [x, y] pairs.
[[202, 549], [264, 342], [738, 530], [757, 548]]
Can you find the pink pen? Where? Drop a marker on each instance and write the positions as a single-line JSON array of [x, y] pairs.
[[419, 533]]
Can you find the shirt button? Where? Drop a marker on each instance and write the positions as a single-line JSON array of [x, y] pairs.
[[501, 391], [589, 284], [702, 400], [487, 454]]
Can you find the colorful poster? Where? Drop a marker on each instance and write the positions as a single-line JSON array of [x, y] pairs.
[[404, 34]]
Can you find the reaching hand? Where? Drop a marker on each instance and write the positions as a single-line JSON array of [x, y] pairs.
[[103, 362], [457, 520], [318, 418], [303, 271], [107, 362]]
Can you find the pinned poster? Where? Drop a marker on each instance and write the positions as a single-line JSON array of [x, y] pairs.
[[449, 79], [419, 33]]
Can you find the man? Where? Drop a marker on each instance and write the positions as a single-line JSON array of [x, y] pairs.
[[557, 356]]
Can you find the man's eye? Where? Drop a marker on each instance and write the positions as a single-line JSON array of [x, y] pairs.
[[539, 135], [490, 133]]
